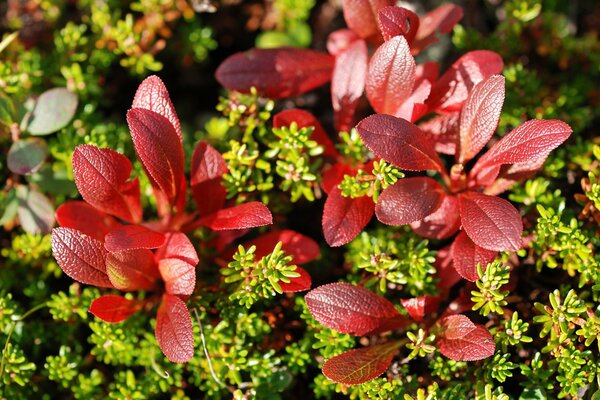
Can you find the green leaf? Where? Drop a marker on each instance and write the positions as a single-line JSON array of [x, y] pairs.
[[36, 213], [11, 205], [535, 393], [53, 111], [274, 39], [7, 110], [27, 156]]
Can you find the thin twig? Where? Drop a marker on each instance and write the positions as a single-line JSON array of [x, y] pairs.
[[210, 366]]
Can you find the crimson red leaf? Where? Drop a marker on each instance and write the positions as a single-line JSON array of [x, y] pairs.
[[451, 90], [466, 255], [301, 247], [361, 15], [348, 83], [491, 222], [391, 76], [396, 21], [305, 119], [419, 307], [177, 245], [352, 309], [443, 130], [153, 95], [160, 151], [399, 142], [248, 215], [298, 284], [441, 19], [338, 41], [208, 167], [479, 117], [360, 365], [131, 270], [276, 73], [174, 329], [528, 145], [441, 224], [129, 237], [112, 308], [80, 256], [101, 176], [462, 340], [85, 218], [345, 217], [178, 275], [334, 175], [409, 200], [444, 270]]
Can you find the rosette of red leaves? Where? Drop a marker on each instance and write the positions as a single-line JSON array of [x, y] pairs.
[[104, 242]]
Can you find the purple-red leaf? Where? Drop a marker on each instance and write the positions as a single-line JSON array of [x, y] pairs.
[[345, 217], [301, 247], [441, 224], [442, 20], [409, 200], [112, 308], [391, 76], [360, 365], [305, 119], [178, 275], [462, 340], [276, 73], [153, 95], [444, 270], [479, 117], [491, 222], [397, 21], [348, 83], [177, 245], [131, 270], [443, 130], [527, 146], [174, 329], [247, 215], [80, 257], [129, 237], [466, 255], [297, 284], [361, 15], [399, 142], [419, 307], [160, 151], [85, 218], [352, 309], [208, 167], [101, 176]]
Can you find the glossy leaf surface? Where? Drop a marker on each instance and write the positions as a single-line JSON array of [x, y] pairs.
[[462, 340], [247, 215], [466, 255], [132, 270], [409, 200], [129, 237], [441, 19], [345, 217], [174, 329], [297, 284], [420, 307], [112, 308], [177, 245], [397, 21], [361, 15], [208, 166], [178, 275], [85, 218], [153, 95], [442, 223]]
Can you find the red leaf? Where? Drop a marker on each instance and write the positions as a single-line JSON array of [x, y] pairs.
[[338, 41], [112, 308], [160, 151], [399, 142], [419, 307], [361, 15], [174, 329], [441, 224], [178, 275], [445, 272], [348, 83], [305, 119], [397, 21], [451, 90], [466, 255], [80, 257], [298, 284], [101, 176], [360, 365], [443, 129], [441, 20], [345, 217], [334, 175], [208, 167], [409, 200], [177, 245], [248, 215], [129, 237], [352, 309], [528, 145], [462, 340], [480, 116], [131, 270], [491, 222], [276, 73], [301, 247], [153, 95], [85, 218], [391, 76]]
